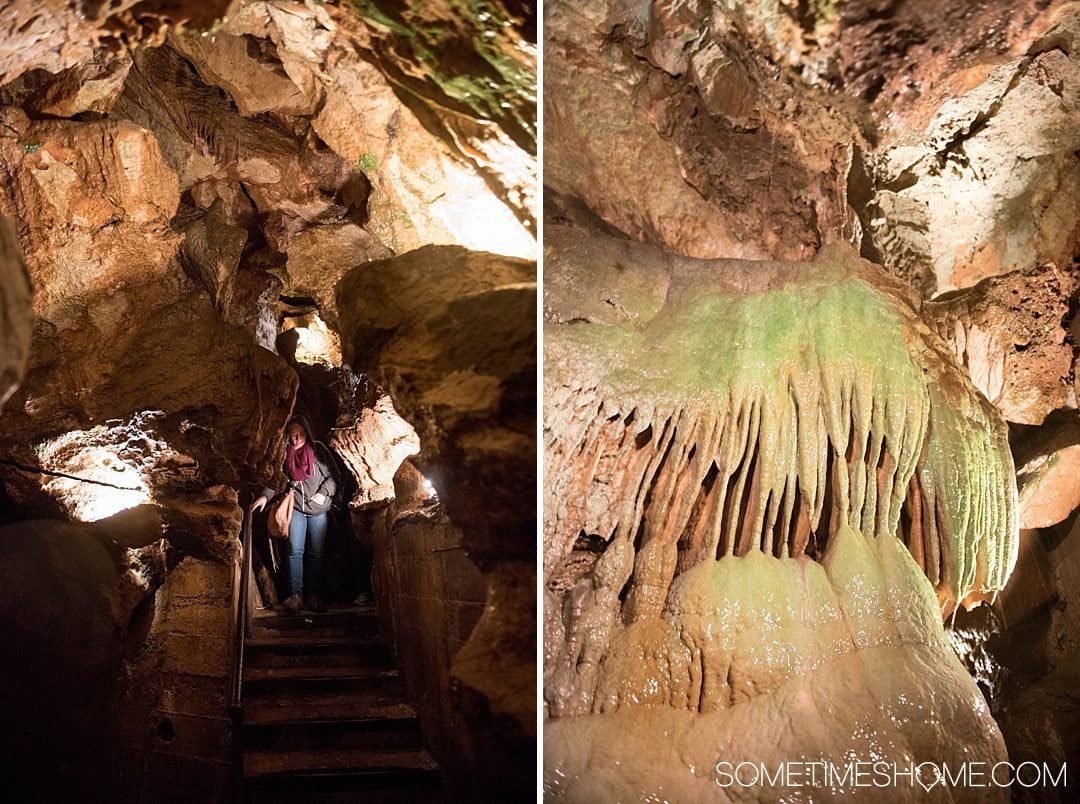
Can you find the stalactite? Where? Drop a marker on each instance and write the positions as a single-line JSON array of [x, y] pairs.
[[824, 403]]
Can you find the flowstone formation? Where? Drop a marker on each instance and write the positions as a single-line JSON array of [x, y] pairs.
[[764, 482]]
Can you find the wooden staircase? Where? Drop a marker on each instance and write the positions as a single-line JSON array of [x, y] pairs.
[[324, 714]]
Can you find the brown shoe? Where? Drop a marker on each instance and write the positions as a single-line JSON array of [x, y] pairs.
[[294, 603], [316, 604]]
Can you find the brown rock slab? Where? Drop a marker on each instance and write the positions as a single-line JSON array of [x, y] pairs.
[[451, 335], [1009, 333], [319, 257], [90, 86], [1050, 488], [695, 154], [373, 449], [248, 69], [211, 253]]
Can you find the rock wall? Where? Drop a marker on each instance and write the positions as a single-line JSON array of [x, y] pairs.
[[450, 334], [184, 747], [15, 307], [440, 608], [178, 178], [63, 582], [430, 597]]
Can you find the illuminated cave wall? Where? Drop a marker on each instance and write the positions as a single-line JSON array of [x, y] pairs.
[[181, 185]]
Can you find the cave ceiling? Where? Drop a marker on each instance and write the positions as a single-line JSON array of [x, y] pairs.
[[181, 178]]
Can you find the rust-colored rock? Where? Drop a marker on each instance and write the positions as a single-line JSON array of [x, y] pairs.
[[90, 86], [702, 161], [211, 253], [319, 257], [1008, 332], [248, 69]]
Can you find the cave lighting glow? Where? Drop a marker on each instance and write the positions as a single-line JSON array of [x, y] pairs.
[[108, 501], [316, 343], [92, 474], [102, 485], [475, 217]]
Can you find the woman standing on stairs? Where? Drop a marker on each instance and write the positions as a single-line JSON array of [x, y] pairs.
[[313, 477]]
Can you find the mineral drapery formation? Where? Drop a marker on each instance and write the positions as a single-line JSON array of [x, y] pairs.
[[711, 427], [940, 142]]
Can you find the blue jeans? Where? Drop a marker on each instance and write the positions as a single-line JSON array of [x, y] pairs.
[[310, 532]]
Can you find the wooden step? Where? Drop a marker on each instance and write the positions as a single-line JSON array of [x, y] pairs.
[[397, 730], [308, 709], [341, 622], [290, 791], [316, 649], [360, 775], [340, 760], [306, 680], [333, 614], [260, 674]]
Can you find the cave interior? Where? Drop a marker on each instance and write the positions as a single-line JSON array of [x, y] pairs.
[[216, 215]]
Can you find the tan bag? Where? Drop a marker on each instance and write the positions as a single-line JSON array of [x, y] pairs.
[[280, 514]]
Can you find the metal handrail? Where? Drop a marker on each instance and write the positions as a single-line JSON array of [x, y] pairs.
[[242, 613]]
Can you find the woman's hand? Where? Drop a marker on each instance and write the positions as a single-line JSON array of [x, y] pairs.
[[258, 505], [318, 498]]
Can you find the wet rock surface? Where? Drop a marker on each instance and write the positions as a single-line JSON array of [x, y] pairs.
[[937, 141]]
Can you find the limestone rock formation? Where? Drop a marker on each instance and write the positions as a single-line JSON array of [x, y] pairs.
[[92, 85], [862, 628], [373, 448], [694, 151], [991, 184], [1008, 332], [451, 335], [15, 307], [447, 333], [939, 142], [69, 34]]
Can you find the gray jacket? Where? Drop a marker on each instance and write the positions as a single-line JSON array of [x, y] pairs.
[[324, 479]]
